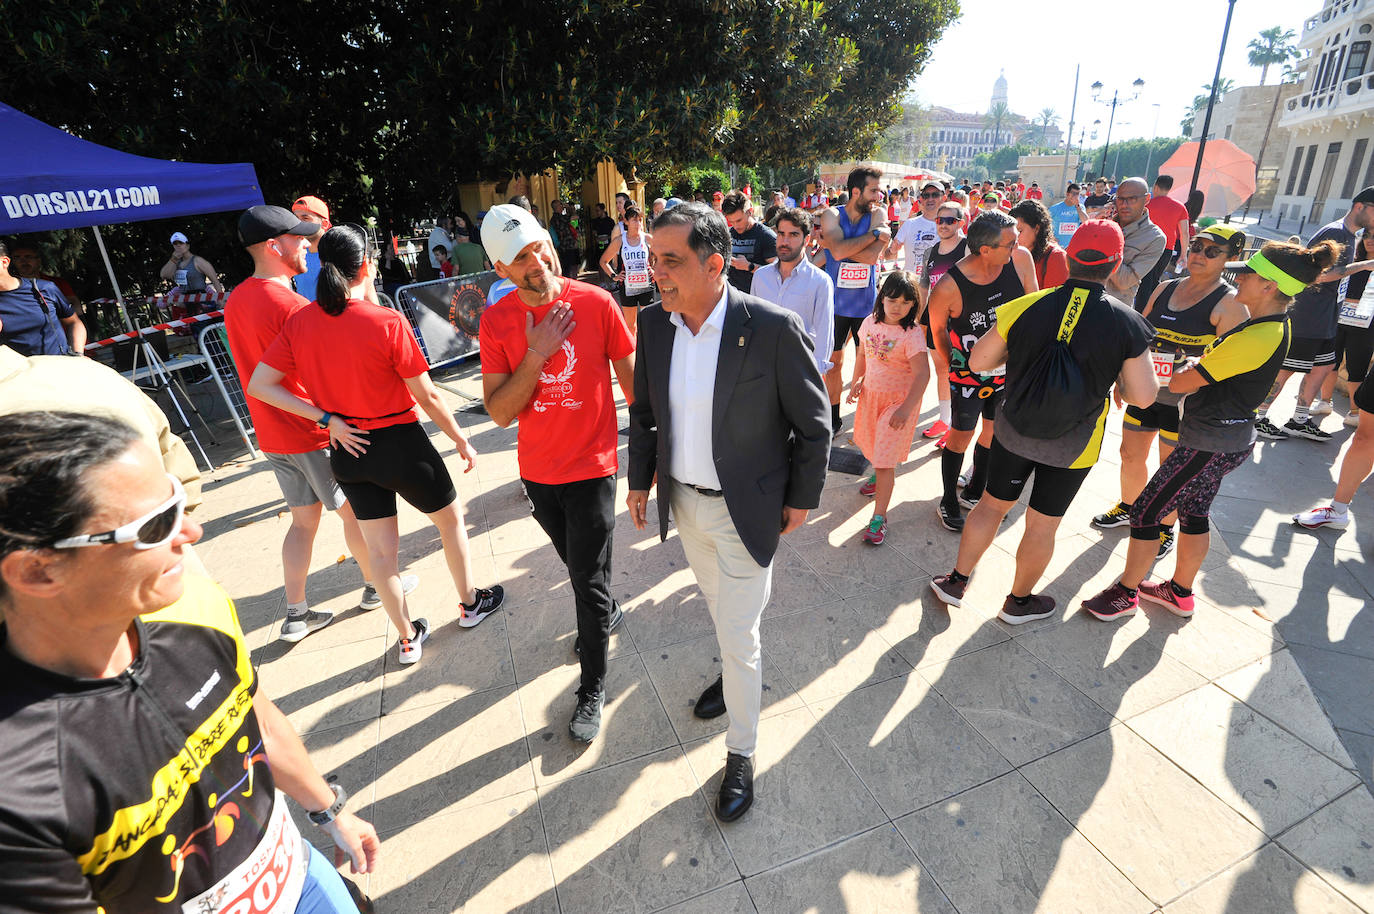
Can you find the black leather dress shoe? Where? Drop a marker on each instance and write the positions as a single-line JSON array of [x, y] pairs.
[[736, 788], [712, 701]]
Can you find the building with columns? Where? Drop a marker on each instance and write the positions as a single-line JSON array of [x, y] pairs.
[[956, 137]]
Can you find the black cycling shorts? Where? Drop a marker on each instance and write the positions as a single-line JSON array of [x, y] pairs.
[[400, 460], [1054, 487], [846, 327], [964, 411], [638, 300], [1159, 417]]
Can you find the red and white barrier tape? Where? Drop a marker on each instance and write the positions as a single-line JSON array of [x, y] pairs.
[[169, 325]]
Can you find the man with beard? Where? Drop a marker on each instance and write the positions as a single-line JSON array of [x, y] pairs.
[[547, 349], [798, 285]]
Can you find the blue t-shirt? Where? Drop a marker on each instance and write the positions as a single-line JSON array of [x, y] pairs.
[[306, 282], [856, 284], [1065, 218], [30, 326], [499, 290]]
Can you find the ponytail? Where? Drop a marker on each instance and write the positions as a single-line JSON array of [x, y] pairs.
[[343, 256], [1324, 255]]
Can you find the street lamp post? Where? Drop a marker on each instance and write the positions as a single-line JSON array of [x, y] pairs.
[[1150, 150], [1212, 98], [1111, 118]]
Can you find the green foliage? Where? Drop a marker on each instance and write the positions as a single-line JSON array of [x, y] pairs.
[[906, 140], [1273, 46], [1130, 157]]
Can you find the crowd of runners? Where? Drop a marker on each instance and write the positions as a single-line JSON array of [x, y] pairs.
[[726, 326]]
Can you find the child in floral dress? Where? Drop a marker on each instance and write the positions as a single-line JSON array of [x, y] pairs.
[[889, 379]]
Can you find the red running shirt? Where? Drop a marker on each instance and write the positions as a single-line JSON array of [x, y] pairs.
[[567, 431], [253, 316], [1167, 213], [355, 363]]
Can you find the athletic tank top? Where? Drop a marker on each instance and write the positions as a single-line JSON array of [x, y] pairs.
[[937, 265], [1180, 334], [977, 316], [856, 284], [635, 260], [190, 279]]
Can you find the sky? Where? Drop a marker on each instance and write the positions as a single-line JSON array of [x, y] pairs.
[[1038, 44]]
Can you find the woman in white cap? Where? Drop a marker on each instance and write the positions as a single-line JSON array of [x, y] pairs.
[[189, 272]]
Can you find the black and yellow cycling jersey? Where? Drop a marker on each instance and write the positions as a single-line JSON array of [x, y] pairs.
[[1180, 335], [1240, 367], [143, 792]]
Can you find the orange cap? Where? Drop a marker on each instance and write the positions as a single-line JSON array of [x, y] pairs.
[[313, 205]]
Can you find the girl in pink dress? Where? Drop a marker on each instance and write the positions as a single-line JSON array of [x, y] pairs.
[[889, 379]]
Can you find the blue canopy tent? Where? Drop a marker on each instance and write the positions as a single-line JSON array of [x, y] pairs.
[[50, 179]]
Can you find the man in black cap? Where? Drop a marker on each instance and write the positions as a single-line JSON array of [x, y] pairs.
[[296, 448]]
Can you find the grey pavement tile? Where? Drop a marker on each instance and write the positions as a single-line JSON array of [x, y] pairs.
[[853, 567], [1331, 675], [1120, 665], [633, 722], [908, 744], [326, 689], [796, 587], [1338, 842], [1270, 880], [542, 636], [349, 753], [732, 898], [924, 630], [1016, 702], [456, 662], [633, 837], [875, 871], [1264, 772], [681, 671], [441, 758], [1001, 847], [1361, 749], [1163, 829], [828, 651], [1212, 643], [664, 612], [491, 857], [1277, 688], [805, 796]]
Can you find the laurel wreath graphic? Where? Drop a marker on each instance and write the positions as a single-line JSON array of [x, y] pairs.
[[568, 366]]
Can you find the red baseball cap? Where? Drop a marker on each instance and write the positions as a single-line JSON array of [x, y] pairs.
[[1101, 237], [313, 205], [717, 196]]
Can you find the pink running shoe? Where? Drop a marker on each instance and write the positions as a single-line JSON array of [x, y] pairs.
[[869, 487], [877, 530], [943, 439], [937, 429], [1162, 594]]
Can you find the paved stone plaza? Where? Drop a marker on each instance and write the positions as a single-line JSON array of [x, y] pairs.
[[911, 758]]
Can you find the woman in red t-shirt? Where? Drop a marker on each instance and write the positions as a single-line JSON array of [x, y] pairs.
[[1035, 233], [361, 362]]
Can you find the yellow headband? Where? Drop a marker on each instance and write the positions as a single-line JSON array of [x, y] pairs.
[[1262, 266]]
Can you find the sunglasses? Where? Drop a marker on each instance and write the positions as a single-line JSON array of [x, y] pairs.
[[932, 196], [1210, 251], [947, 220], [156, 528]]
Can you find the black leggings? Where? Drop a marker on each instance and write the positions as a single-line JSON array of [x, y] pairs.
[[1357, 345], [400, 460]]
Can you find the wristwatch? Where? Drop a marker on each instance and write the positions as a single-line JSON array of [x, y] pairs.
[[877, 233], [323, 421], [329, 814]]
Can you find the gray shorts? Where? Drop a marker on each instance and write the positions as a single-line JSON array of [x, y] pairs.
[[305, 479]]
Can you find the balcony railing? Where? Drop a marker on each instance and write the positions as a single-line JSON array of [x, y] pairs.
[[1331, 14], [1349, 95]]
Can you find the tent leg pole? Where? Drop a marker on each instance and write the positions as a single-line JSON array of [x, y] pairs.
[[109, 268]]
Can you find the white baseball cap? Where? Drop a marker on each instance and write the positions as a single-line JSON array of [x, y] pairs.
[[178, 236], [507, 230]]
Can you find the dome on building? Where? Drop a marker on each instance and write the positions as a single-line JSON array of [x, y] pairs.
[[999, 90]]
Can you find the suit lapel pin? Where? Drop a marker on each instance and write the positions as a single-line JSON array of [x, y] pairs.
[[741, 342]]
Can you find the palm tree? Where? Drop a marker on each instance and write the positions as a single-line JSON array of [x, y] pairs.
[[1272, 46], [1044, 119], [996, 115]]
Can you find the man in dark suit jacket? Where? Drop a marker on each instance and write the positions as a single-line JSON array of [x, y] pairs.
[[731, 413]]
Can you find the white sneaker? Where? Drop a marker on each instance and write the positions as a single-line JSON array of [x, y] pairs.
[[965, 477], [1352, 419], [1325, 516], [411, 647], [1321, 408]]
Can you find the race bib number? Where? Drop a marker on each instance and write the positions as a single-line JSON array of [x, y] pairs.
[[854, 276], [636, 280], [1068, 228], [269, 881], [1164, 365], [1360, 313]]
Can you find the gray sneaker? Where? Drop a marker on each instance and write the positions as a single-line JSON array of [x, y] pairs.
[[373, 600], [297, 627], [586, 720]]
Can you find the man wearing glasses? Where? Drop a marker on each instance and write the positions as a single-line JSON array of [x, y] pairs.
[[917, 234], [1144, 242]]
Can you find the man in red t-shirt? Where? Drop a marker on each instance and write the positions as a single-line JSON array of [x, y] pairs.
[[1172, 219], [295, 448], [547, 349]]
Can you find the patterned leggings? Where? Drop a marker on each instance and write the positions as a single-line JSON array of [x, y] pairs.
[[1187, 480]]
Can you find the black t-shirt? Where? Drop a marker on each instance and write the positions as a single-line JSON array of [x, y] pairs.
[[758, 245], [1108, 333], [1095, 201], [601, 233], [1315, 309]]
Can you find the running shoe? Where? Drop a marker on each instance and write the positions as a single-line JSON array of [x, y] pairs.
[[1116, 602], [1325, 516], [411, 647], [586, 719], [965, 477], [1266, 429], [1308, 430], [297, 627], [950, 518], [1167, 538], [943, 439], [1322, 408], [372, 600], [1352, 419], [489, 600], [1037, 606], [1119, 516], [1165, 595], [937, 429], [869, 487], [968, 500], [949, 590], [877, 530]]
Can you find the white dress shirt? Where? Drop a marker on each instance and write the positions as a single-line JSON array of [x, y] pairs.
[[691, 397], [808, 293]]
